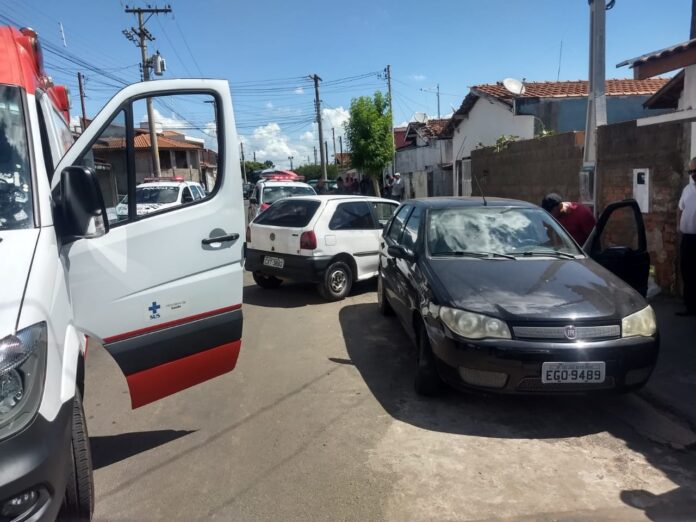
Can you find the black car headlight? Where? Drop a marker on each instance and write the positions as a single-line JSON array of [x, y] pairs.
[[473, 326], [22, 371], [641, 323]]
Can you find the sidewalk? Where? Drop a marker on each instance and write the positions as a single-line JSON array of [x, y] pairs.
[[672, 385]]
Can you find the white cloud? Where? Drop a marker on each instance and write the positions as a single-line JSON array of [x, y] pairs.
[[335, 118], [271, 143], [307, 136], [299, 90], [418, 77], [269, 105]]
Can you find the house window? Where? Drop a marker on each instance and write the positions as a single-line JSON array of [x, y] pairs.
[[181, 159], [165, 159]]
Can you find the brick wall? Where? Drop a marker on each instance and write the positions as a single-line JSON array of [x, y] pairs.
[[530, 169], [663, 149]]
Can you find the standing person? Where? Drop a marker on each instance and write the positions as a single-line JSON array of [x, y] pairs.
[[339, 185], [575, 217], [397, 188], [388, 185], [321, 187], [686, 216]]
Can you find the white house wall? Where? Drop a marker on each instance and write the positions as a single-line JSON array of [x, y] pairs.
[[485, 123]]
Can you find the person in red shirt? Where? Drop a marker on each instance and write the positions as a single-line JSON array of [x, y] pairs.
[[576, 218]]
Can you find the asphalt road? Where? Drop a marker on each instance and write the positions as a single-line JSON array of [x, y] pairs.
[[320, 422]]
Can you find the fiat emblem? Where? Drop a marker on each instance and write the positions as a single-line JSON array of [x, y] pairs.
[[570, 332], [272, 236]]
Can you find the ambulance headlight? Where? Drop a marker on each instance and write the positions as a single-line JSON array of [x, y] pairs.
[[22, 369]]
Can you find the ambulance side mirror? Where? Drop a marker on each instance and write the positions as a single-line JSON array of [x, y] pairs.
[[79, 205]]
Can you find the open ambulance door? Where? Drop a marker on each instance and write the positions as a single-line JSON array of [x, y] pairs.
[[162, 290]]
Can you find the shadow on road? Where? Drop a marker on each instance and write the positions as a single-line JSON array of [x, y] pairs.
[[385, 358], [109, 449], [296, 295]]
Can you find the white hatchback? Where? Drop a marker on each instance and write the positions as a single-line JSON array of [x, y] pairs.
[[329, 240]]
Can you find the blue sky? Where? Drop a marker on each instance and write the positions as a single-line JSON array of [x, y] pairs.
[[266, 48]]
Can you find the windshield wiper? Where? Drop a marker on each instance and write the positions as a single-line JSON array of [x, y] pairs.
[[544, 253], [480, 255]]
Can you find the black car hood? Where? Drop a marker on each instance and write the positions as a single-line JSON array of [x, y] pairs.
[[533, 289]]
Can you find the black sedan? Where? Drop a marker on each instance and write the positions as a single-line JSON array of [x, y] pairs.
[[497, 296]]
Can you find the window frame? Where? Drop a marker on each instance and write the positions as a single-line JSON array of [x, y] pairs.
[[414, 246], [408, 209], [127, 108]]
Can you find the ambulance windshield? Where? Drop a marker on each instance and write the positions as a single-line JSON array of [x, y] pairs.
[[15, 174]]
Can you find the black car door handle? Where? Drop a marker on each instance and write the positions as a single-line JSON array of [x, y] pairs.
[[220, 239]]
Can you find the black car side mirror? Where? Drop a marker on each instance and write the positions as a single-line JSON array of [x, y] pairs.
[[79, 210], [400, 252]]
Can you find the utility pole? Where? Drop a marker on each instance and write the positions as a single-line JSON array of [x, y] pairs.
[[326, 151], [291, 158], [437, 93], [315, 154], [391, 114], [317, 102], [340, 143], [241, 147], [143, 36], [333, 135], [80, 83], [254, 156], [596, 102]]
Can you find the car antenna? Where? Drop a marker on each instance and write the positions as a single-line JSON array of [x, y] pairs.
[[485, 203]]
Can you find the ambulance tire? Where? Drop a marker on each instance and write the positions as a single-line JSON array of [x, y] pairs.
[[78, 504]]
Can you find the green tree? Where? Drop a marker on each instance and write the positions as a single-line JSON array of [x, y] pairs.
[[369, 135], [314, 171]]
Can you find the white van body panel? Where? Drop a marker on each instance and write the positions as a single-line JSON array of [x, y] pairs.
[[16, 251]]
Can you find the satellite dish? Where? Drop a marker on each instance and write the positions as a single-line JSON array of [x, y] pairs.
[[514, 86], [420, 117]]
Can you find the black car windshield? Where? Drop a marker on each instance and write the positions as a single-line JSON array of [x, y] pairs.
[[515, 231], [273, 194], [16, 207]]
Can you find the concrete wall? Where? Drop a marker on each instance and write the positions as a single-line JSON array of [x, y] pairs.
[[568, 114], [424, 162], [530, 169], [485, 123], [664, 150]]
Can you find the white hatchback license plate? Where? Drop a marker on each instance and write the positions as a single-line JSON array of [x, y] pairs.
[[275, 262], [573, 372]]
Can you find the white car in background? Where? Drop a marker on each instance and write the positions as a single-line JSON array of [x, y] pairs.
[[332, 241], [268, 192], [152, 196]]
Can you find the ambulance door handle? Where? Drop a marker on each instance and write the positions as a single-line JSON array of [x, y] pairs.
[[220, 239]]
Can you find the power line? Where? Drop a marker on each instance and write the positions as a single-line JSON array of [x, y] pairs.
[[183, 37]]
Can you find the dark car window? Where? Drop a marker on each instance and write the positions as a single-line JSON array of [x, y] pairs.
[[499, 230], [397, 224], [274, 193], [411, 229], [289, 213], [355, 215], [383, 211]]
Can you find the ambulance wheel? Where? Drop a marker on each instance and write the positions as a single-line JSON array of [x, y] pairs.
[[78, 504], [268, 282]]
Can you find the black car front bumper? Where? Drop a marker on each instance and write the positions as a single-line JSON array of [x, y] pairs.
[[36, 459], [298, 268], [515, 366]]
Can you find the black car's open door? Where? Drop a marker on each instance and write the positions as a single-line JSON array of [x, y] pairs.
[[618, 242]]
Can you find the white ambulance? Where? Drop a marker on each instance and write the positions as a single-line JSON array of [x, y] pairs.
[[162, 292]]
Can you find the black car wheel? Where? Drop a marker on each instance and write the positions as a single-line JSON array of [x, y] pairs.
[[267, 282], [338, 280], [384, 306], [428, 381], [78, 504]]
